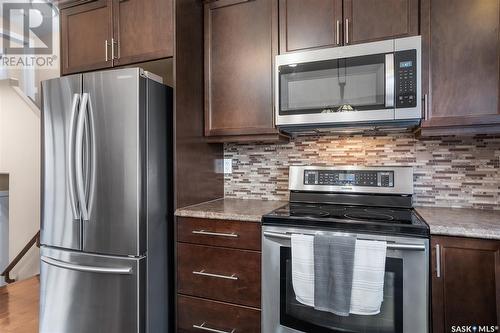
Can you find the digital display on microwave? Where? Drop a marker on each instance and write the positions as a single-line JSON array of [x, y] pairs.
[[347, 177], [405, 64]]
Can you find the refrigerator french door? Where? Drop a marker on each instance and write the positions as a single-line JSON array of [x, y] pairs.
[[105, 203]]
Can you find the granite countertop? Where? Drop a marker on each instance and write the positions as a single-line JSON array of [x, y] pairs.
[[231, 209], [475, 223]]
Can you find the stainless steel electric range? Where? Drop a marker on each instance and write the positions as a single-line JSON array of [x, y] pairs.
[[373, 203]]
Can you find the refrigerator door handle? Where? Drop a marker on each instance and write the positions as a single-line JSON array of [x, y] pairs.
[[80, 187], [85, 268], [92, 154], [71, 157]]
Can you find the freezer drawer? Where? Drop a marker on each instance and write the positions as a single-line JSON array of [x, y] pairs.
[[81, 293]]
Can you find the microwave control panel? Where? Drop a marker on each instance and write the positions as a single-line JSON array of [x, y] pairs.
[[405, 63], [349, 178]]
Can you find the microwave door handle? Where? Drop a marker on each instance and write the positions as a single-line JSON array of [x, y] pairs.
[[389, 80]]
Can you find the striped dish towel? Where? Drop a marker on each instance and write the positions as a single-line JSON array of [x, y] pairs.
[[368, 277], [303, 268], [333, 269]]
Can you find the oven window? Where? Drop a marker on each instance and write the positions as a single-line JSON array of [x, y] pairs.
[[350, 84], [304, 318]]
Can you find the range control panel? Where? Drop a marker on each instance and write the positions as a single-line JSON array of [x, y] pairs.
[[349, 178], [406, 78]]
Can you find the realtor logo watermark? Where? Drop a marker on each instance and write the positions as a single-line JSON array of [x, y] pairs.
[[28, 36], [475, 328]]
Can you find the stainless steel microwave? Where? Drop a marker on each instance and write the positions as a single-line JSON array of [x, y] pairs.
[[371, 84]]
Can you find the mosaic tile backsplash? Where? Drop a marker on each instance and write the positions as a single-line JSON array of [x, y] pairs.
[[448, 171]]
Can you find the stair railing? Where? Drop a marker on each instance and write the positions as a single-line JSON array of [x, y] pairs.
[[15, 261]]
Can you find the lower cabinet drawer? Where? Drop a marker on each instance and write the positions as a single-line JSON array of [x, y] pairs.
[[233, 234], [198, 316], [220, 274]]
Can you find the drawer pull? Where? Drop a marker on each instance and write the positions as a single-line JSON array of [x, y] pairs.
[[209, 233], [227, 277], [438, 261], [208, 329]]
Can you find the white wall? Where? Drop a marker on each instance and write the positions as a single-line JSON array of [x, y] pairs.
[[20, 158]]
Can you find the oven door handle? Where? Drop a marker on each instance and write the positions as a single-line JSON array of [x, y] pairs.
[[390, 246], [278, 235], [410, 247]]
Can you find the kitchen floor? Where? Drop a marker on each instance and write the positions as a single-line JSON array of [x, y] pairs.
[[19, 306]]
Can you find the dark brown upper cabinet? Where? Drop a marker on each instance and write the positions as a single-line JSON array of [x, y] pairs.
[[460, 66], [143, 30], [309, 24], [373, 20], [106, 33], [84, 32], [240, 46], [465, 282], [328, 23]]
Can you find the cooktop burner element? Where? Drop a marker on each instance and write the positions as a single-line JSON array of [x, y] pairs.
[[309, 213], [368, 216], [342, 199]]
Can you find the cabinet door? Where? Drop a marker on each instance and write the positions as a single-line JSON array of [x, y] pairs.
[[143, 30], [309, 24], [85, 31], [240, 46], [372, 20], [465, 282], [461, 64]]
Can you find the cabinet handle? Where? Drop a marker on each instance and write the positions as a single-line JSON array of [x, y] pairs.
[[218, 276], [218, 234], [113, 42], [438, 261], [426, 107], [112, 48], [338, 33], [106, 49], [346, 31], [208, 329]]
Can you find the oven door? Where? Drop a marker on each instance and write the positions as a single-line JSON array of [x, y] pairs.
[[404, 308], [337, 90]]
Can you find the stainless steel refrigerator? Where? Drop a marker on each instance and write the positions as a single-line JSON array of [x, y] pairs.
[[106, 226]]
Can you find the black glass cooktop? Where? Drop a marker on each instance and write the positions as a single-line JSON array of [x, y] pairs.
[[375, 219]]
